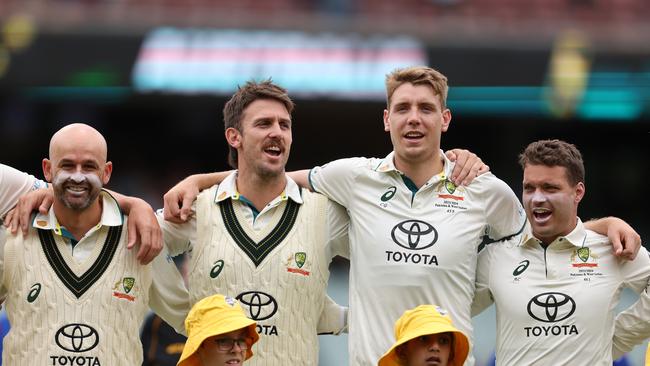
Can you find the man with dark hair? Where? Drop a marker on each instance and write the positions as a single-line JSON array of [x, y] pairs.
[[556, 286], [261, 239], [235, 107]]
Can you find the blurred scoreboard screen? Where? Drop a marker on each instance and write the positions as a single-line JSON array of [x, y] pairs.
[[324, 64]]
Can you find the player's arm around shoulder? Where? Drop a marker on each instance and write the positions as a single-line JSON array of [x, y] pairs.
[[179, 236], [636, 272], [336, 179], [503, 212]]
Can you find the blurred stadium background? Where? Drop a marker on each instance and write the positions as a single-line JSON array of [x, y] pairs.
[[153, 76]]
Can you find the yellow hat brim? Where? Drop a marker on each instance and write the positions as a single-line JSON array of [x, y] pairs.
[[194, 341], [461, 343]]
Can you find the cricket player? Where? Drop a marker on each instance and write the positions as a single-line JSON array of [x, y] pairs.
[[15, 186], [414, 233], [556, 286], [74, 294], [261, 239]]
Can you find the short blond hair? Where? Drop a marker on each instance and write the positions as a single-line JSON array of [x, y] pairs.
[[417, 75]]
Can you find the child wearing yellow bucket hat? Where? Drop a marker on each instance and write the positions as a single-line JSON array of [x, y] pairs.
[[426, 336], [218, 334]]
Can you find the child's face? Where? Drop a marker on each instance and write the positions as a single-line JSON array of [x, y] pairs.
[[228, 349], [428, 350]]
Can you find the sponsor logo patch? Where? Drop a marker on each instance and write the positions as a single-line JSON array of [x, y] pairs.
[[34, 291], [390, 193], [260, 306], [414, 234], [521, 268], [216, 268], [551, 307], [76, 338]]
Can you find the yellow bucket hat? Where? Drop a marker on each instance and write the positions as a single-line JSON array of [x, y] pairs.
[[425, 320], [212, 316]]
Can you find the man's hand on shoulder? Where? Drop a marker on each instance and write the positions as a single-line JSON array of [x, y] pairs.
[[20, 216], [468, 166], [626, 242], [178, 200]]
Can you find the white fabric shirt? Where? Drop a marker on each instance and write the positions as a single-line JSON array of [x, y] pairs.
[[168, 296], [410, 249], [180, 237], [85, 246], [13, 184], [555, 305]]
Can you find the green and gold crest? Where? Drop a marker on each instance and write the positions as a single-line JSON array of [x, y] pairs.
[[450, 186], [127, 284], [583, 254], [300, 258]]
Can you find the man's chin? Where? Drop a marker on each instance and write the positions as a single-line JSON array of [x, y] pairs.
[[271, 172], [76, 204]]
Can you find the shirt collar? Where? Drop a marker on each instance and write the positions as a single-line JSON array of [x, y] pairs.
[[228, 189], [576, 237], [111, 216], [388, 165]]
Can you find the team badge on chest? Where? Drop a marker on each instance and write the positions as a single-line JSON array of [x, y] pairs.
[[584, 264], [122, 289], [296, 262]]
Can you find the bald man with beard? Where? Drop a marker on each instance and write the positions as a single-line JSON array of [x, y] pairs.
[[74, 294]]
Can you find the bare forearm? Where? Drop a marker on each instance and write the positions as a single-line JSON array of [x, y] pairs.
[[301, 177], [207, 180], [126, 202], [600, 225]]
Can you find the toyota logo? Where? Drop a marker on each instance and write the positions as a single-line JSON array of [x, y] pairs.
[[260, 306], [414, 234], [77, 338], [551, 307]]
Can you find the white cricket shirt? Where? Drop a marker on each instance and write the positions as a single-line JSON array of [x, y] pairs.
[[408, 249], [555, 305]]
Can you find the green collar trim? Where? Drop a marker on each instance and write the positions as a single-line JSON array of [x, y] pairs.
[[78, 285], [258, 251]]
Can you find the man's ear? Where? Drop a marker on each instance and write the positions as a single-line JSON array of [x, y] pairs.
[[580, 192], [108, 169], [386, 121], [446, 120], [233, 136], [47, 169]]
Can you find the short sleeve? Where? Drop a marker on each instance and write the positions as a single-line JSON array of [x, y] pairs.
[[13, 184], [338, 224], [503, 212], [336, 179]]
